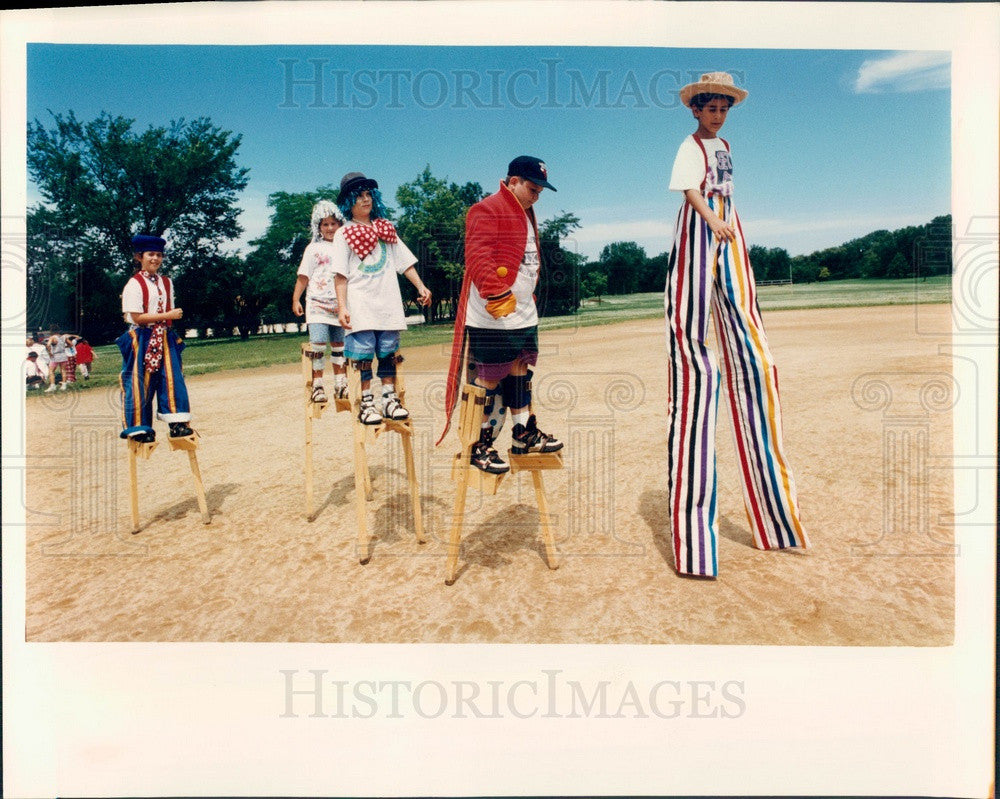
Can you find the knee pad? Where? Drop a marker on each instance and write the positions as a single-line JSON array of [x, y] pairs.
[[516, 390], [494, 411], [365, 367], [315, 355], [386, 367]]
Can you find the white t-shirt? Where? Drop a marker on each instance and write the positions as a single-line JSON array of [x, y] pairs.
[[523, 288], [373, 297], [43, 357], [132, 296], [33, 369], [689, 167], [321, 294], [41, 366]]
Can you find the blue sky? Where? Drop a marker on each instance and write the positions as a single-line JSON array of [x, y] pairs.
[[830, 144]]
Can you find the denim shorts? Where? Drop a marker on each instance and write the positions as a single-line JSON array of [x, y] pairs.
[[323, 333], [363, 345]]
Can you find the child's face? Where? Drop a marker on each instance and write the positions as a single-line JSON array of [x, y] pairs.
[[150, 261], [525, 191], [363, 205], [328, 227], [711, 117]]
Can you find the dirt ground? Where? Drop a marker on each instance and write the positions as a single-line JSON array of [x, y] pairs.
[[868, 430]]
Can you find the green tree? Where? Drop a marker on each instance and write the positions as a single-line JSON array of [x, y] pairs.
[[432, 223], [933, 248], [559, 282], [653, 275], [898, 266], [770, 263], [102, 182], [262, 289], [623, 262], [870, 254], [594, 283], [110, 182], [804, 269]]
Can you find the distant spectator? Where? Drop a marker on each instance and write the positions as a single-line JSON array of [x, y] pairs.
[[70, 372], [84, 357], [57, 358], [36, 346], [33, 377]]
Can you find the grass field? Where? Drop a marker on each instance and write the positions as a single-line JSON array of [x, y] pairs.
[[213, 355]]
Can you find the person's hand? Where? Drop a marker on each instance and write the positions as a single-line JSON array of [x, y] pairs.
[[344, 318], [174, 313], [297, 307], [424, 296], [721, 229], [502, 306]]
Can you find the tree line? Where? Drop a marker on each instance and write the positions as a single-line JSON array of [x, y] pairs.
[[102, 181]]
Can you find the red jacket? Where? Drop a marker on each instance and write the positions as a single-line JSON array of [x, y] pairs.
[[496, 232]]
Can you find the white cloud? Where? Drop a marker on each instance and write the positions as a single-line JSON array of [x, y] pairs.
[[653, 235], [255, 218], [605, 232], [904, 72]]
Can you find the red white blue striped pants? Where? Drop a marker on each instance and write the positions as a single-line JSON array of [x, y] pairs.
[[704, 276]]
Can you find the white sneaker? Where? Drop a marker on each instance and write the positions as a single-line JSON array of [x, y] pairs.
[[392, 408], [63, 386], [50, 388], [368, 413]]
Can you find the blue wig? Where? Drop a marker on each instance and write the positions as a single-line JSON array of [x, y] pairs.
[[379, 211]]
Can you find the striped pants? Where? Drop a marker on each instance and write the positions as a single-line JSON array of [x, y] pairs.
[[139, 386], [706, 275]]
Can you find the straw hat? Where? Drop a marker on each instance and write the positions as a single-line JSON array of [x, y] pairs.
[[713, 83]]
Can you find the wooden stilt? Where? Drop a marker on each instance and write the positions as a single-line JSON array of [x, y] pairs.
[[473, 402], [543, 516], [363, 489], [470, 420], [133, 482], [136, 450], [189, 444], [411, 475], [312, 411]]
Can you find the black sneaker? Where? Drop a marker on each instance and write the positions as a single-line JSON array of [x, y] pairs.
[[144, 438], [180, 430], [487, 459], [528, 438]]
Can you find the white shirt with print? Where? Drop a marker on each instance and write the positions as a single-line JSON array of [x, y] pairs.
[[689, 167], [374, 300], [321, 295]]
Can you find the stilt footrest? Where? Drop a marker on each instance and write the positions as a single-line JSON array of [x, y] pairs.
[[184, 442], [534, 461], [141, 449], [475, 478]]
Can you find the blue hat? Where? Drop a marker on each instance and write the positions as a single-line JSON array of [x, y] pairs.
[[146, 243]]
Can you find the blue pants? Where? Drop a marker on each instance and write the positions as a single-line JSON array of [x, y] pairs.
[[139, 386]]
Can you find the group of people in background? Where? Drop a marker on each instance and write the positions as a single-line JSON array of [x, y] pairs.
[[56, 353]]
